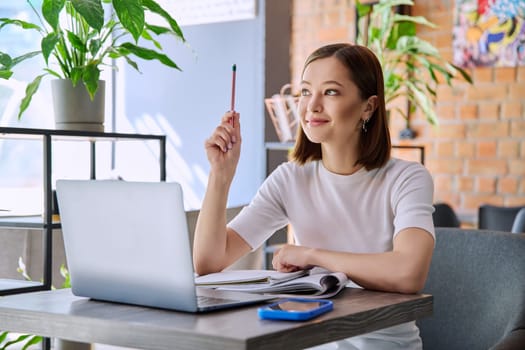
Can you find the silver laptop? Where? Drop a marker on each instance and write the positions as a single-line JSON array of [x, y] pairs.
[[128, 242]]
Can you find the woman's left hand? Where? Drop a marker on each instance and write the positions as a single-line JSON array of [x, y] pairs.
[[290, 258]]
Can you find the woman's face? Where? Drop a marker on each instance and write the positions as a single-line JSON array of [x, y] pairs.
[[330, 106]]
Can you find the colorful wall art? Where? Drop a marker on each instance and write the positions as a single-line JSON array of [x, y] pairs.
[[489, 33]]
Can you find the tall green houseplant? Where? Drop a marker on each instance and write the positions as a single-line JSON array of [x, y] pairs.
[[79, 38], [412, 67]]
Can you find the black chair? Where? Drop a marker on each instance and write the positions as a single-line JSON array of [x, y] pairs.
[[518, 226], [444, 216], [499, 218]]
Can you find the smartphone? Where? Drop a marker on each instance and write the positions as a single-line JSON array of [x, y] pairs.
[[295, 309]]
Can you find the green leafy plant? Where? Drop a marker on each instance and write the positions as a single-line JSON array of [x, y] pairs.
[[79, 38], [412, 67], [27, 340]]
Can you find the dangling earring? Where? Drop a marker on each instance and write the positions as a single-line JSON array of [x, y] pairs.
[[363, 126]]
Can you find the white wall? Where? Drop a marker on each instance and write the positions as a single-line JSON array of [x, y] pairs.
[[187, 105]]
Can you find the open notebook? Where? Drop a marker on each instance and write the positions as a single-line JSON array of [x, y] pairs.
[[128, 242]]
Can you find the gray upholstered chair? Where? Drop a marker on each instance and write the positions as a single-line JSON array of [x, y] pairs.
[[494, 217], [518, 226], [478, 282]]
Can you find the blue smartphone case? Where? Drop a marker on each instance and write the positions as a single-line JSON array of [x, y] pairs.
[[269, 312]]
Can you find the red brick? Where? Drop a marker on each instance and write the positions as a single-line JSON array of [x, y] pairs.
[[486, 185], [423, 131], [517, 91], [452, 198], [445, 166], [505, 74], [486, 149], [508, 185], [487, 130], [395, 118], [425, 8], [448, 55], [329, 5], [445, 149], [465, 149], [511, 110], [449, 131], [406, 154], [520, 76], [443, 183], [517, 167], [508, 148], [396, 103], [486, 167], [441, 20], [488, 110], [333, 18], [469, 111], [473, 201], [447, 111], [522, 185], [455, 93], [515, 201], [333, 35], [483, 75], [487, 92], [302, 7], [465, 184], [442, 40], [350, 18], [517, 128]]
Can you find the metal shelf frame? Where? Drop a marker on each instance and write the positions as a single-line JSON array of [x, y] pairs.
[[46, 221]]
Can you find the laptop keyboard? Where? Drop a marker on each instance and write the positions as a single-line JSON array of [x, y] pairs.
[[209, 301]]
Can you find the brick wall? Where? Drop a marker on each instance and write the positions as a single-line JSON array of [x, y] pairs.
[[477, 153]]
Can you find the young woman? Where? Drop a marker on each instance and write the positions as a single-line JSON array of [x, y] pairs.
[[352, 208]]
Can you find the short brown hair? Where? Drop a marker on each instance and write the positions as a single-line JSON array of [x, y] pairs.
[[365, 71]]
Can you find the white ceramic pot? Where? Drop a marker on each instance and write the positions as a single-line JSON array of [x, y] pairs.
[[74, 109]]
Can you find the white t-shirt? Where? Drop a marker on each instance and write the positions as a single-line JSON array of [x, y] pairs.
[[359, 213]]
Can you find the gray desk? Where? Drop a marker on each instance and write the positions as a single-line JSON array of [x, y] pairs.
[[59, 314]]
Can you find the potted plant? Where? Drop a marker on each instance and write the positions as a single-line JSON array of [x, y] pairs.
[[79, 39], [412, 67]]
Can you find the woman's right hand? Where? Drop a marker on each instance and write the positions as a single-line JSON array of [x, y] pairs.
[[215, 246], [223, 147]]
